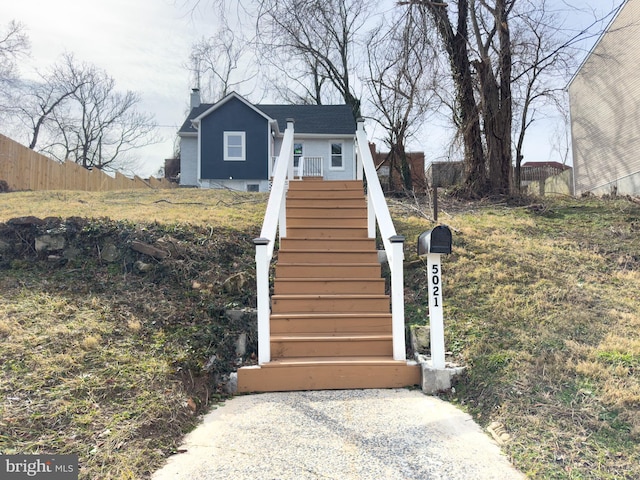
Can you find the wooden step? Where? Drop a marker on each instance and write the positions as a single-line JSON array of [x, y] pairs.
[[330, 303], [302, 286], [326, 222], [325, 202], [319, 211], [323, 257], [328, 270], [336, 345], [338, 373], [325, 194], [328, 185], [328, 244], [327, 232], [330, 323]]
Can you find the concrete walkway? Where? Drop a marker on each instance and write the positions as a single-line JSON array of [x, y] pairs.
[[341, 435]]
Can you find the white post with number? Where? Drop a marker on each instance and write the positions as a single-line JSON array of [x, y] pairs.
[[436, 316]]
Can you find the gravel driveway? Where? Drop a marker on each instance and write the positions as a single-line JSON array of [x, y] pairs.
[[341, 435]]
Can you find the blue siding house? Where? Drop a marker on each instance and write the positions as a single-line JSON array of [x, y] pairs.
[[233, 143]]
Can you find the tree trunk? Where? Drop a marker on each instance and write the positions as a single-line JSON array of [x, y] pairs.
[[475, 175], [495, 91]]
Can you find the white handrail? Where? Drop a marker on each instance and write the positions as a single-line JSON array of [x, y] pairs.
[[266, 243], [393, 243]]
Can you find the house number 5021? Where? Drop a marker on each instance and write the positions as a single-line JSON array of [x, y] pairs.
[[435, 282]]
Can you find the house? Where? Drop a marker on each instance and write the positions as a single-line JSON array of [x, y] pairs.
[[233, 143], [392, 181], [445, 174], [543, 178], [604, 98]]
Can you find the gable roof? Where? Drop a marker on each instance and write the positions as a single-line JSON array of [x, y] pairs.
[[313, 119], [309, 119]]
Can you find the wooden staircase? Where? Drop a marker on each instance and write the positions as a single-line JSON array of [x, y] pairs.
[[330, 317]]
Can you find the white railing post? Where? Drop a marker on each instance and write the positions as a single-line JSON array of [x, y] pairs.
[[273, 217], [262, 283], [371, 217], [397, 297], [393, 243], [282, 219], [436, 316], [359, 170]]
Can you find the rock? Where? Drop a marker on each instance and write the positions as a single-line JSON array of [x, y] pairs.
[[49, 243], [149, 250], [236, 315], [420, 338], [241, 345], [71, 253], [231, 387], [236, 284], [142, 267], [110, 253], [26, 221], [4, 246]]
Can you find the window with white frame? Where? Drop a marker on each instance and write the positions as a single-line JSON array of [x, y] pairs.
[[336, 156], [234, 146]]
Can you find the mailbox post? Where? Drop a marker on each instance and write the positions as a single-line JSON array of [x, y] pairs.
[[433, 244]]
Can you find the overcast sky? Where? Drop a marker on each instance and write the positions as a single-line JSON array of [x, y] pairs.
[[144, 45]]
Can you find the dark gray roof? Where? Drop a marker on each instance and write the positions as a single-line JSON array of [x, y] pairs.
[[194, 113], [318, 119], [324, 119]]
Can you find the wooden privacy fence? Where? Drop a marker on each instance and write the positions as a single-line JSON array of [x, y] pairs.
[[24, 169]]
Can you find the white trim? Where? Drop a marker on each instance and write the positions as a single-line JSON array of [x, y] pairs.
[[342, 168], [218, 104], [199, 160], [225, 146], [323, 136]]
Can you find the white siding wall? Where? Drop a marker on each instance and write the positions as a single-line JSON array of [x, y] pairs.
[[314, 147], [189, 161], [605, 110]]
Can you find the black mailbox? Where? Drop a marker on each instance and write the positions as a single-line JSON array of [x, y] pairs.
[[437, 240]]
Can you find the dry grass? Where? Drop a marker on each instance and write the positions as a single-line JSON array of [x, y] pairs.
[[228, 209], [542, 304]]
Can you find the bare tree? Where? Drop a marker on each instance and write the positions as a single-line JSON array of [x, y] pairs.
[[40, 99], [322, 36], [99, 126], [497, 53], [14, 45], [214, 60], [402, 84], [454, 36], [545, 55]]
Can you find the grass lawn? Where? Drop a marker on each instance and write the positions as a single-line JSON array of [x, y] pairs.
[[542, 303]]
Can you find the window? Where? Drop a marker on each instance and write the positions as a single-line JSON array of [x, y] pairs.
[[336, 156], [234, 146], [253, 187], [297, 153]]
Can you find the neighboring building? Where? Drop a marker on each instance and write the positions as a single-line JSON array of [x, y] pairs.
[[233, 143], [604, 96], [445, 174], [172, 169], [394, 183], [544, 178]]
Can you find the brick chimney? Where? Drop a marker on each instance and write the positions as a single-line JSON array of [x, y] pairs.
[[195, 98]]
